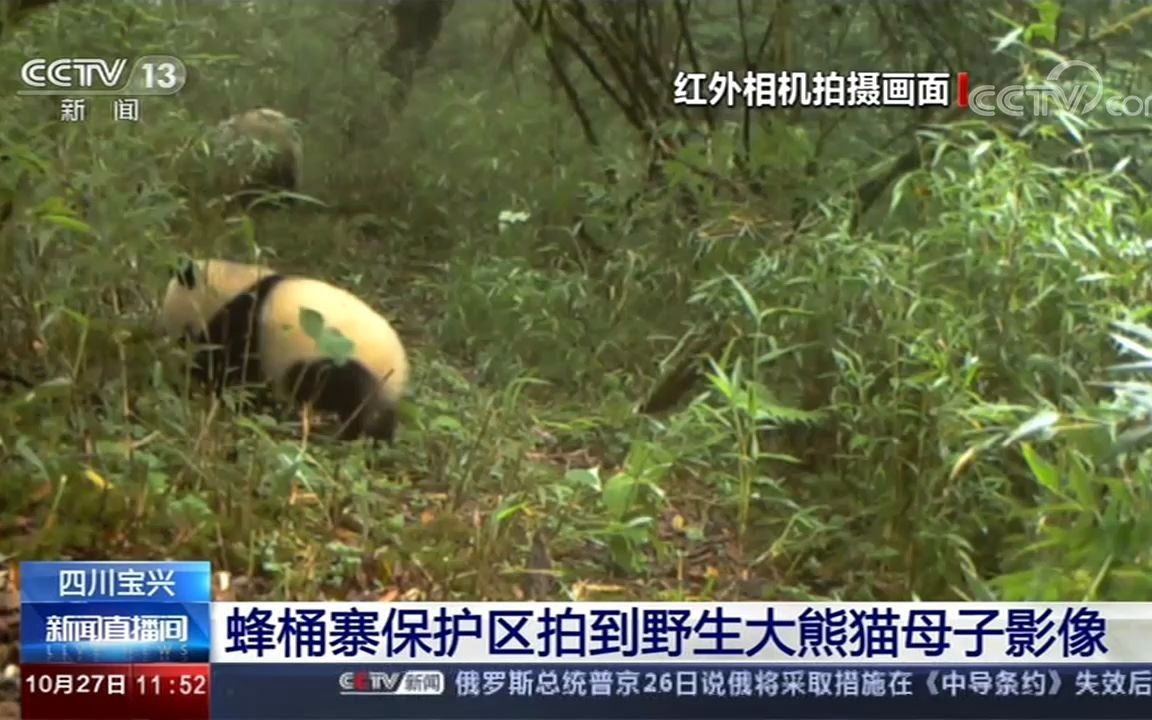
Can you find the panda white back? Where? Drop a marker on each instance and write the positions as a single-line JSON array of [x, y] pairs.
[[365, 389]]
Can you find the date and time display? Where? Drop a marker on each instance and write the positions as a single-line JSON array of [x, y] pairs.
[[115, 691]]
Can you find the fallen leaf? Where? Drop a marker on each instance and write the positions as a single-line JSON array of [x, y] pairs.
[[301, 498], [95, 478], [597, 588]]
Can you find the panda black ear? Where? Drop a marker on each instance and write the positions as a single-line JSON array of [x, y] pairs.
[[185, 273]]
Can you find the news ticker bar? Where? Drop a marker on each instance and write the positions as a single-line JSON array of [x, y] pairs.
[[483, 692]]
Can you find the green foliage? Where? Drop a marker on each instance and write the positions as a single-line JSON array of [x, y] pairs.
[[330, 342], [906, 400]]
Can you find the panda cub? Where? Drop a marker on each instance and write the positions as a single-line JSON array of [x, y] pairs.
[[246, 318]]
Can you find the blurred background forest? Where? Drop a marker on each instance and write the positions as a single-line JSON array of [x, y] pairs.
[[660, 352]]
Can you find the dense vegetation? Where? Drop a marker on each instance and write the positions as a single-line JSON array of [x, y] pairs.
[[660, 352]]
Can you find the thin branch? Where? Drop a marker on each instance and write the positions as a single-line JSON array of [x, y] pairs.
[[651, 34], [648, 53], [520, 36], [682, 9], [746, 120], [763, 47], [631, 105], [569, 90], [596, 73]]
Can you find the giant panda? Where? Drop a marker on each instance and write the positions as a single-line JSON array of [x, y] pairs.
[[251, 314], [256, 151], [205, 299]]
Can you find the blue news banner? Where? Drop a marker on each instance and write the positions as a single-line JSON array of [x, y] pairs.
[[147, 631], [687, 660]]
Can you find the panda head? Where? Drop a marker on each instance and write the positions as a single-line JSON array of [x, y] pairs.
[[199, 289]]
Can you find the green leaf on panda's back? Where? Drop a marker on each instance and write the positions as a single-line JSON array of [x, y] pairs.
[[329, 341], [312, 323]]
